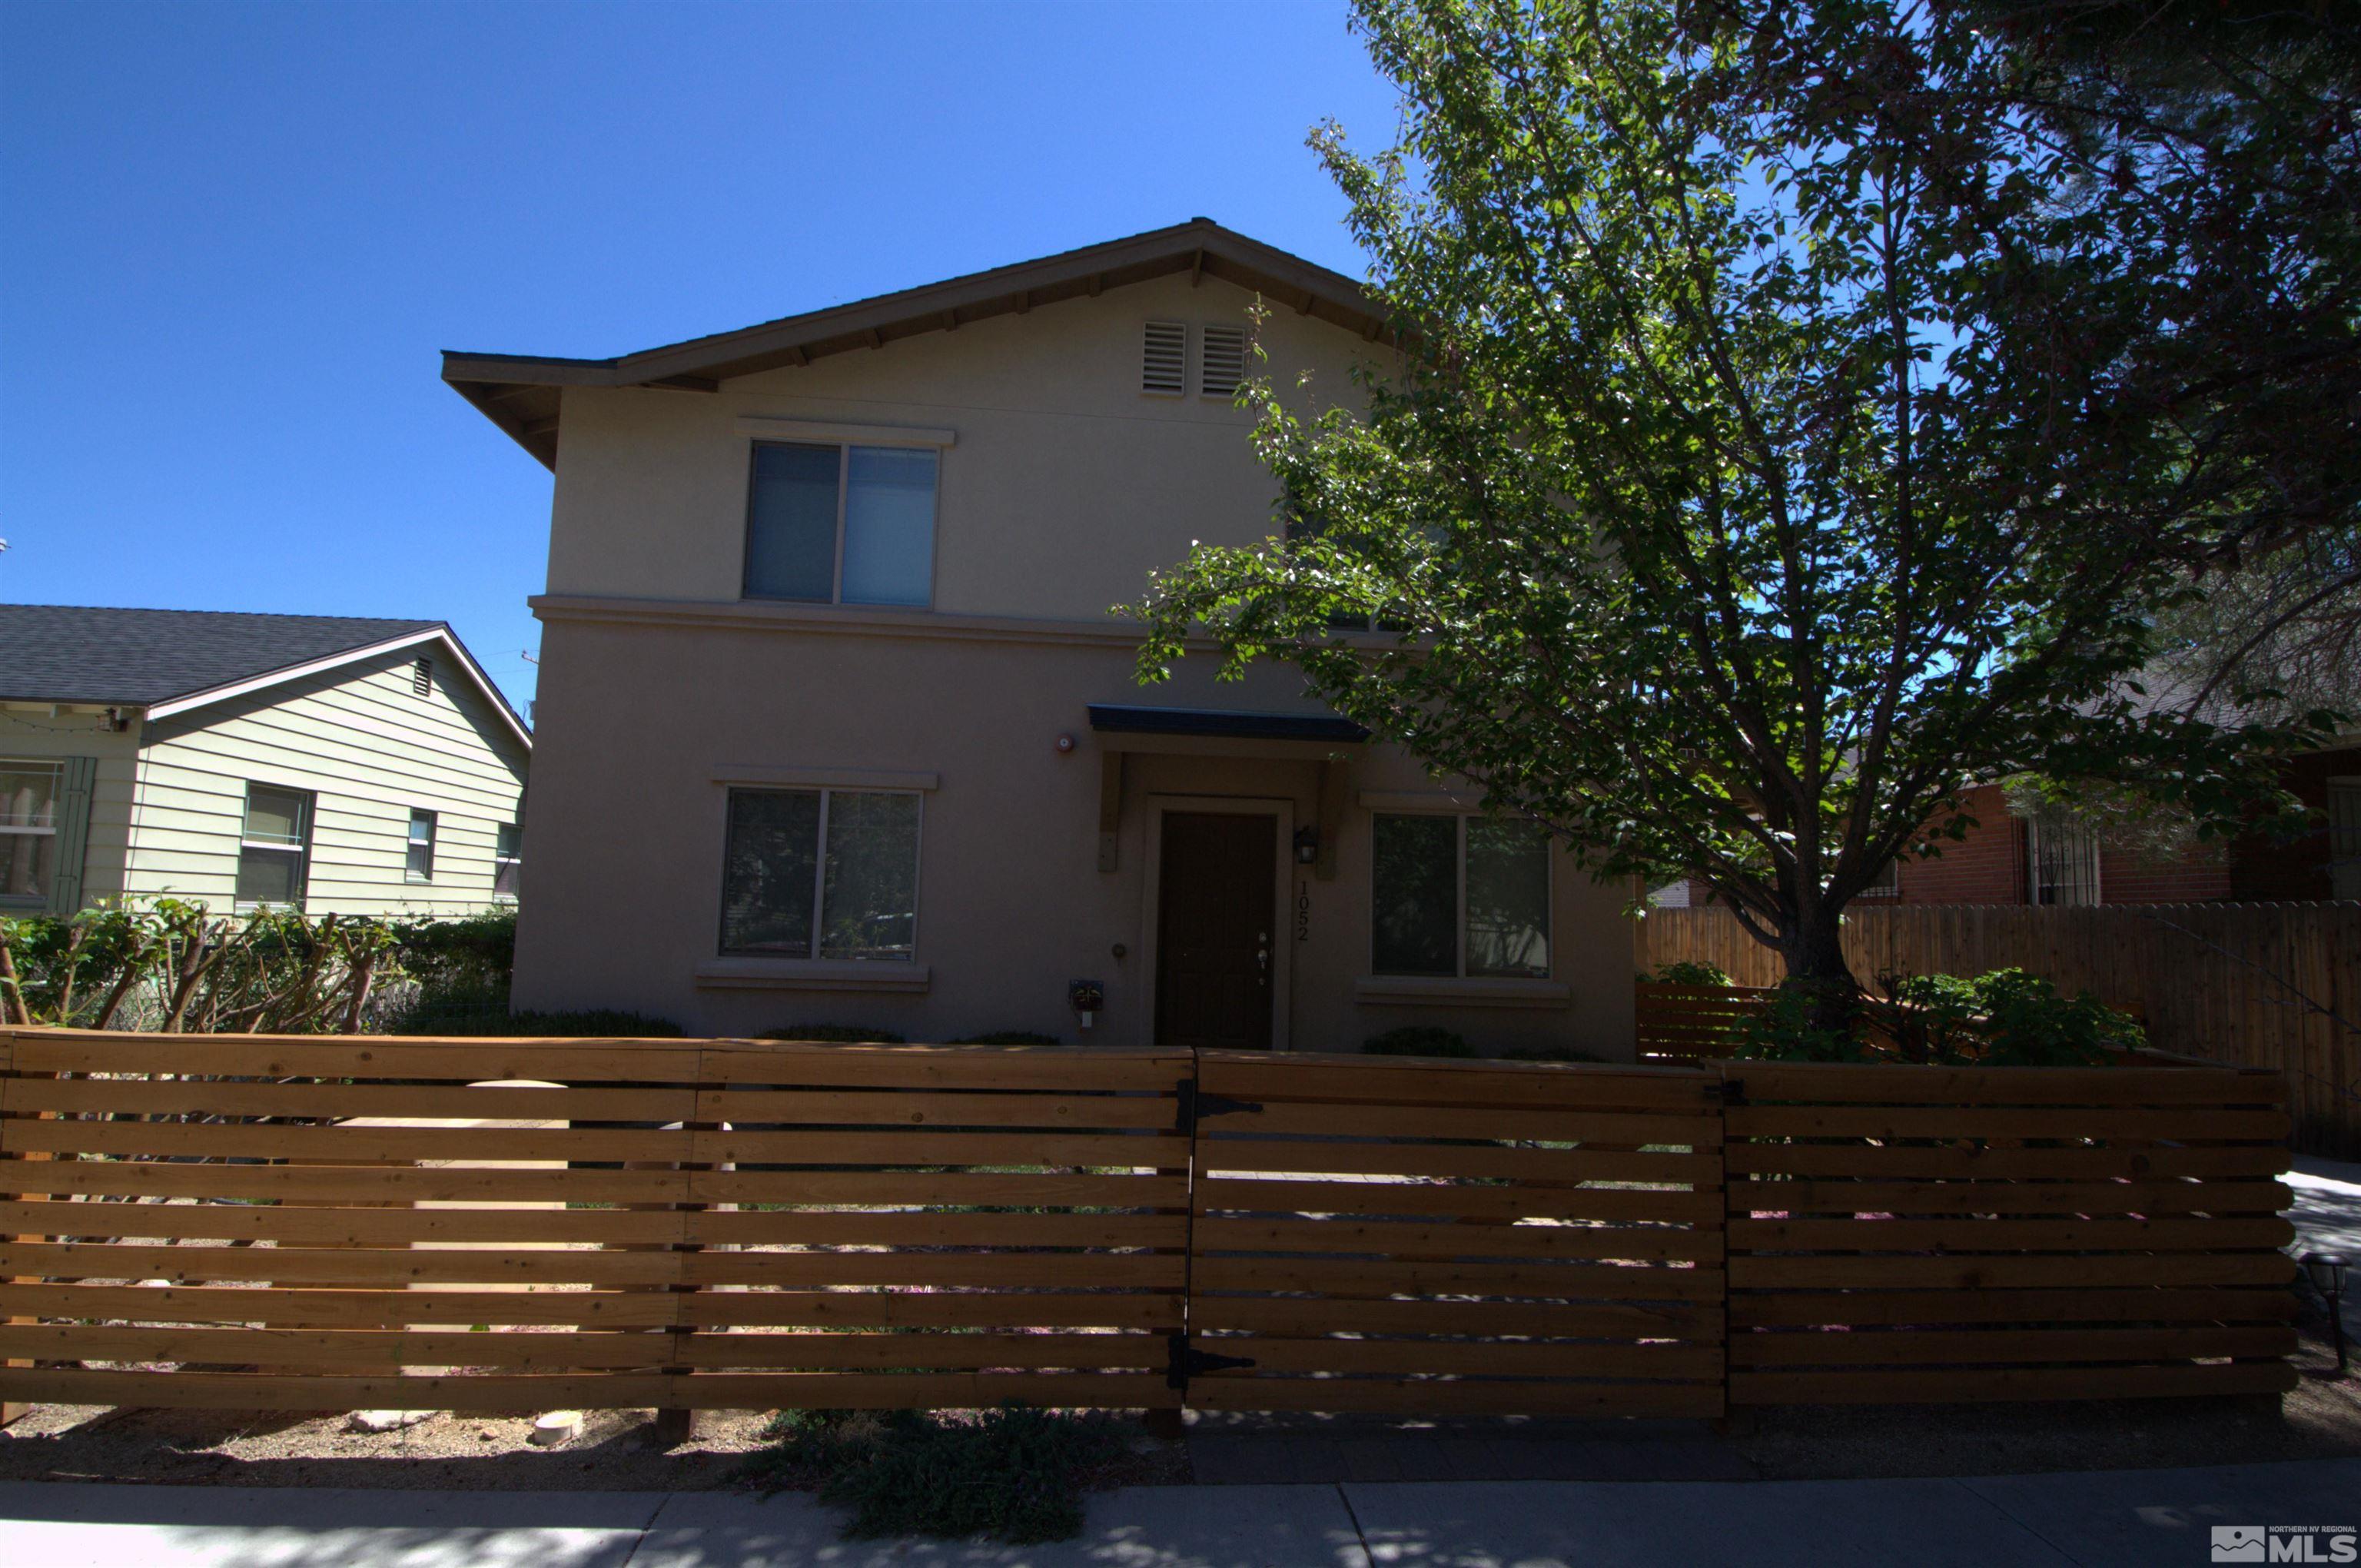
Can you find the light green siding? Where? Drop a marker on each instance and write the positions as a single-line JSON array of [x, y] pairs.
[[368, 748], [36, 734]]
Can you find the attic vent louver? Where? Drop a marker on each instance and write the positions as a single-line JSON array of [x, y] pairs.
[[1164, 359], [1223, 363], [421, 677]]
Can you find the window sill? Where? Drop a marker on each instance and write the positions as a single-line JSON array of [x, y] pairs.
[[811, 974], [1406, 991]]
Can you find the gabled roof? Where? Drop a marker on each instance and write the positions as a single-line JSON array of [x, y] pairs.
[[168, 661], [520, 393]]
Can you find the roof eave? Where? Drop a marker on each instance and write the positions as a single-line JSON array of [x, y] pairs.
[[440, 632], [520, 393]]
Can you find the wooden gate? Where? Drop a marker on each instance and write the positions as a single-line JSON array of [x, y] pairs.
[[1441, 1238]]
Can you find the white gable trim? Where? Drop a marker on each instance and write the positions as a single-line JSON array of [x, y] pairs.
[[436, 634]]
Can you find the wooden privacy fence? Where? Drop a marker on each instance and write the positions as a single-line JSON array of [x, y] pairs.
[[1900, 1235], [1550, 1240], [258, 1223], [2272, 985], [315, 1223], [1691, 1023]]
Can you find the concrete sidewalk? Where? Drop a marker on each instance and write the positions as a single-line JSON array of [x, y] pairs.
[[2150, 1519]]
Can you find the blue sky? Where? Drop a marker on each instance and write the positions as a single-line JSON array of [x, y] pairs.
[[234, 238]]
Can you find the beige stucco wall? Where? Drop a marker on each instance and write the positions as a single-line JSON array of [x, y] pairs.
[[627, 829], [36, 734], [369, 749], [1064, 486]]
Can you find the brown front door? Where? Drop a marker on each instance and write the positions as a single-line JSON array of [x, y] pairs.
[[1215, 928]]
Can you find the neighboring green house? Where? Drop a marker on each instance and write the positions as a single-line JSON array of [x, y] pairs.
[[340, 764]]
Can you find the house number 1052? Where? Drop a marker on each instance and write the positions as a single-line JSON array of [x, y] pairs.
[[1303, 911]]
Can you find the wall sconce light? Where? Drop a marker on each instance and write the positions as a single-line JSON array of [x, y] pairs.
[[2327, 1272], [1307, 845], [1086, 997]]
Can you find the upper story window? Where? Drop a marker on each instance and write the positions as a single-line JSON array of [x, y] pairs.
[[274, 847], [820, 874], [28, 830], [841, 524], [1460, 897]]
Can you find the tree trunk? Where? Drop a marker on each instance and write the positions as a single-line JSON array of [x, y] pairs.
[[1814, 950]]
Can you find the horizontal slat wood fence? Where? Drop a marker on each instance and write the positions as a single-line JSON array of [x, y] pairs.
[[1908, 1233], [259, 1223], [1692, 1023], [1384, 1235], [2271, 985]]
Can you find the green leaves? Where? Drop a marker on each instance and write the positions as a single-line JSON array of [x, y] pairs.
[[1772, 454]]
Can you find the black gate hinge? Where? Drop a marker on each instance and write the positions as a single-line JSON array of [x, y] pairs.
[[1184, 1361], [1195, 1104]]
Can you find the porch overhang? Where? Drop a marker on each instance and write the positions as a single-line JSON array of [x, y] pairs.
[[1318, 729], [1318, 738]]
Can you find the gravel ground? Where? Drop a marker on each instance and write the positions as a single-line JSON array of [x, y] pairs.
[[59, 1442], [615, 1452]]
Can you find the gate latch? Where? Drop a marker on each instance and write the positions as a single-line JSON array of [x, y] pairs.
[[1195, 1105], [1186, 1361]]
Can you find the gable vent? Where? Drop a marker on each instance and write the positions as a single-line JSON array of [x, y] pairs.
[[421, 677], [1223, 363], [1164, 359]]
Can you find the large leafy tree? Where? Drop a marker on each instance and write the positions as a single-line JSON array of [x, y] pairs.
[[1788, 429]]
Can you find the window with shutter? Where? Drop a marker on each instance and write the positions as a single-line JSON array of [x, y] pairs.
[[1164, 359], [1223, 362]]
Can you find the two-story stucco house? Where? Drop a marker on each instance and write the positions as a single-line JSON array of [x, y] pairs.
[[836, 725], [337, 764]]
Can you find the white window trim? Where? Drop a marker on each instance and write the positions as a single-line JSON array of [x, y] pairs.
[[835, 599], [301, 849], [433, 833], [1379, 981], [2033, 870], [819, 433], [787, 969], [25, 901], [515, 858]]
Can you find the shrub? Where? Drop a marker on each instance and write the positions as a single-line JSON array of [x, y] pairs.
[[1014, 1474], [833, 1033], [1418, 1040], [1009, 1037], [2006, 1018], [1688, 971], [170, 964], [2018, 1019], [1782, 1030]]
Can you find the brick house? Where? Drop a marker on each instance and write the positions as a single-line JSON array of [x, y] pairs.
[[2006, 859]]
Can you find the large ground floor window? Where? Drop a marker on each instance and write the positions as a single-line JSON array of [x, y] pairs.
[[1460, 896], [820, 874]]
